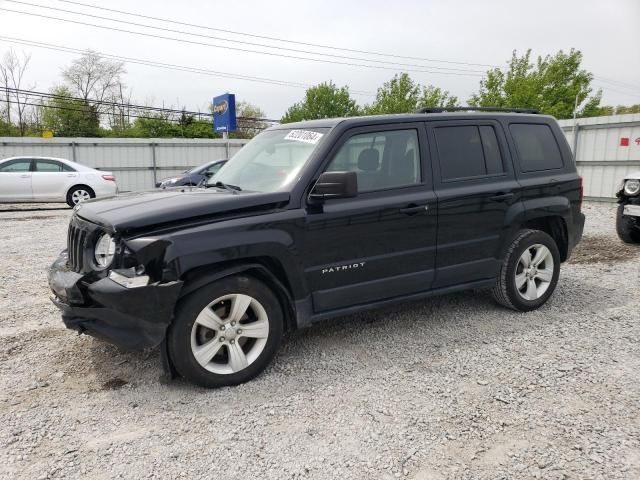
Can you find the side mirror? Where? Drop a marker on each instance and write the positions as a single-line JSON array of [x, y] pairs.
[[335, 185], [208, 174]]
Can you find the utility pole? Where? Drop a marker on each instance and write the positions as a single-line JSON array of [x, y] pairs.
[[225, 136], [575, 129]]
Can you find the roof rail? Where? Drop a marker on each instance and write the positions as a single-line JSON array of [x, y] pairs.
[[476, 109]]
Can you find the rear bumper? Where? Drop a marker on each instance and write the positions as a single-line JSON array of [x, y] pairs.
[[105, 189], [131, 318]]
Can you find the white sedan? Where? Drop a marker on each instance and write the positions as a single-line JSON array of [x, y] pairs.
[[48, 179]]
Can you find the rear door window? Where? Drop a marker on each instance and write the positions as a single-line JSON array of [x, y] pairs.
[[468, 151], [537, 147], [48, 166]]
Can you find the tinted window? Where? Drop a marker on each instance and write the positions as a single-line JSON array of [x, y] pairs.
[[381, 159], [16, 166], [492, 157], [468, 151], [67, 168], [537, 147], [48, 166]]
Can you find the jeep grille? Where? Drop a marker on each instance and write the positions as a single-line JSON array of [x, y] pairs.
[[76, 239]]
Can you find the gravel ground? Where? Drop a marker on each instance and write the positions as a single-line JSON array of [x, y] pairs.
[[452, 387]]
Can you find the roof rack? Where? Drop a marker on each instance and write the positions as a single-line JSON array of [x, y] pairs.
[[476, 109]]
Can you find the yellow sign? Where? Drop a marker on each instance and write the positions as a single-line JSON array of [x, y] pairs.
[[47, 134]]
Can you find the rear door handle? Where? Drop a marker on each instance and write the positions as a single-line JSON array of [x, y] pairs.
[[413, 209], [501, 197], [25, 175]]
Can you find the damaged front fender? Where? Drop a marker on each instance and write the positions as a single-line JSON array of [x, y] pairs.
[[131, 318]]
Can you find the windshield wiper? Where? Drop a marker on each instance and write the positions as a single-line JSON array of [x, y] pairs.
[[228, 187]]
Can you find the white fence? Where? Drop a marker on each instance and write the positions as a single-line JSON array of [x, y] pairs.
[[137, 163], [603, 157], [606, 149]]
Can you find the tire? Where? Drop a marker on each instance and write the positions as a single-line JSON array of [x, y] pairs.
[[217, 340], [628, 228], [510, 291], [79, 194]]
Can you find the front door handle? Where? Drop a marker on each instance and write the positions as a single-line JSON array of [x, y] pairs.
[[413, 209], [25, 175], [501, 197]]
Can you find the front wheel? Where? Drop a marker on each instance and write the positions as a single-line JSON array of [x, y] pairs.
[[226, 333], [628, 228], [529, 272]]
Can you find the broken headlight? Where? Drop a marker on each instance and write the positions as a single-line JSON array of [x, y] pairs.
[[104, 251]]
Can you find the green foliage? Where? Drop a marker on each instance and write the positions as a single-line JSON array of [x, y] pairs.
[[7, 129], [402, 94], [551, 85], [323, 101], [67, 117], [611, 110], [621, 109], [248, 129]]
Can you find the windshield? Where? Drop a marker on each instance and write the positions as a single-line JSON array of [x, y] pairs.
[[271, 161]]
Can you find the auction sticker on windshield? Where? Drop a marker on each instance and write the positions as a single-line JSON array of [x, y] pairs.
[[305, 136]]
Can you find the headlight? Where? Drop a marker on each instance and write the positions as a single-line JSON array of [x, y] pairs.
[[632, 187], [104, 251]]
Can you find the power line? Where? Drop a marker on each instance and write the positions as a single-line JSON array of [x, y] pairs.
[[169, 66], [128, 115], [127, 105], [53, 96], [621, 92], [264, 37], [618, 84], [254, 44], [623, 84], [193, 42]]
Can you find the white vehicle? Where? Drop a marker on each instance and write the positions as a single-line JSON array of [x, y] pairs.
[[48, 179]]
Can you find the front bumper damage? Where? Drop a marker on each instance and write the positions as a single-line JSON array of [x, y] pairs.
[[131, 318]]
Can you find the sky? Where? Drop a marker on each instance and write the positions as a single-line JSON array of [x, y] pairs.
[[465, 31]]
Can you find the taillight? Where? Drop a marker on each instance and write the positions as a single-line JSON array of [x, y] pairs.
[[109, 178], [581, 189]]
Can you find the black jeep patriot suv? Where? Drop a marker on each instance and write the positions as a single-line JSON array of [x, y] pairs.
[[318, 219]]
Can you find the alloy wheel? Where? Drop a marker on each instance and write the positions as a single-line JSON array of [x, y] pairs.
[[229, 334], [534, 272]]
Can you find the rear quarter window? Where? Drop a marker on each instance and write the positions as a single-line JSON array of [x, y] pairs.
[[537, 147]]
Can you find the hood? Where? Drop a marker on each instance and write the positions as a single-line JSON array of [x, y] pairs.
[[632, 176], [135, 211]]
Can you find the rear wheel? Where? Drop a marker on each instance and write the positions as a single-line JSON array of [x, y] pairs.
[[226, 333], [628, 228], [529, 273], [79, 194]]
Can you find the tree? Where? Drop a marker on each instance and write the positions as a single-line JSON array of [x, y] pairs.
[[325, 100], [551, 85], [155, 126], [92, 77], [70, 117], [248, 128], [621, 109], [436, 97], [16, 96], [402, 94]]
